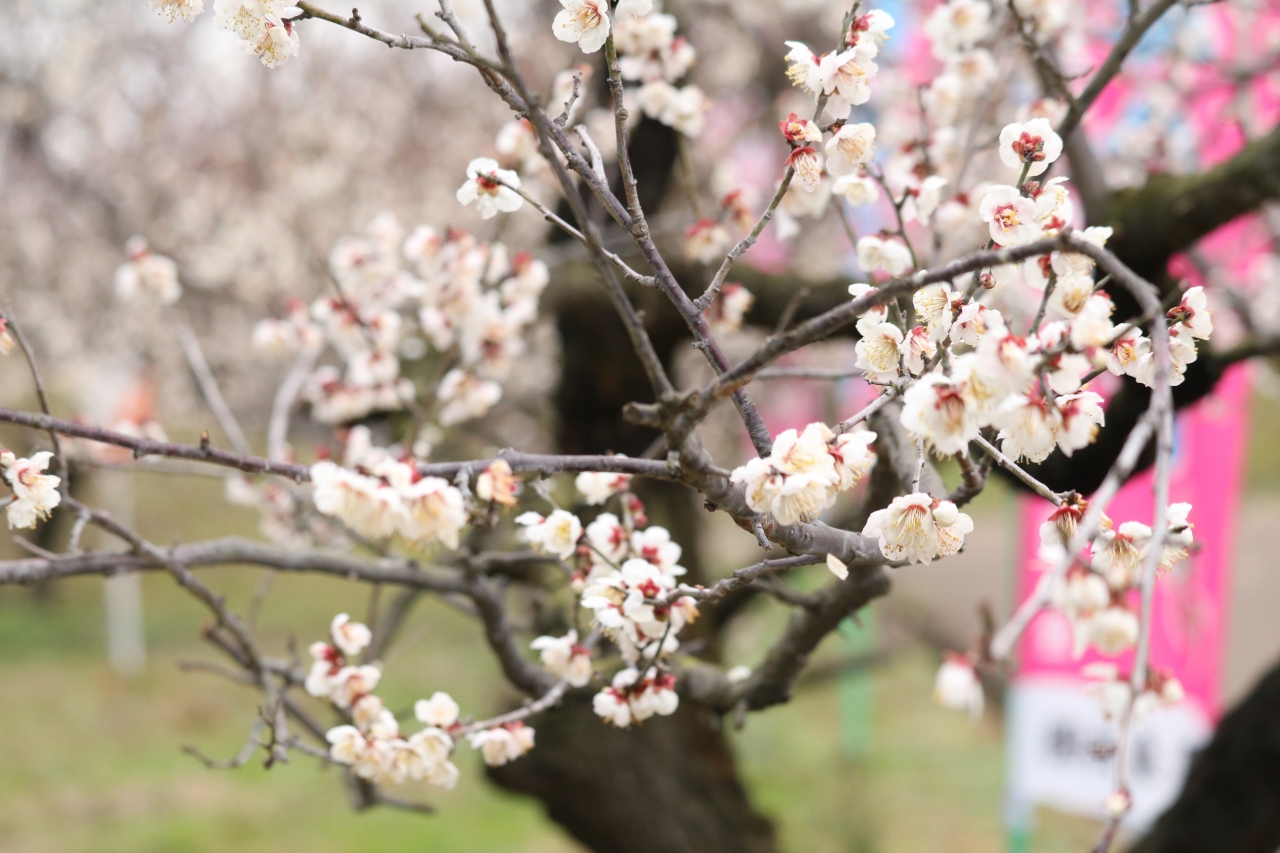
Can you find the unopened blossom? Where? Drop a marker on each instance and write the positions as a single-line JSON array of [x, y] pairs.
[[807, 167], [706, 241], [1032, 144], [1113, 630], [583, 21], [35, 494], [1193, 313], [177, 10], [854, 457], [799, 130], [852, 147], [596, 487], [503, 743], [7, 341], [465, 396], [350, 637], [564, 658], [440, 711], [556, 534], [1082, 417], [937, 408], [367, 505], [1118, 552], [497, 483], [887, 255], [957, 687], [147, 276], [492, 189], [918, 528], [1009, 216], [918, 349], [957, 25], [856, 190], [1028, 427]]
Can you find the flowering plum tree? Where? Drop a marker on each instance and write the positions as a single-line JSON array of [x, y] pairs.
[[1005, 317]]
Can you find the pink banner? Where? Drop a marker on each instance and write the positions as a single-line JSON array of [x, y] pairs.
[[1191, 600]]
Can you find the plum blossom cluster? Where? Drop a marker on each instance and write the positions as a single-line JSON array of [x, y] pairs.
[[839, 80], [391, 499], [1097, 595], [371, 742], [35, 493], [649, 53], [471, 302], [806, 471], [626, 575], [263, 27]]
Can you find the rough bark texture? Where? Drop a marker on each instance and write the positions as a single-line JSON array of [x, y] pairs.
[[668, 785], [1231, 801]]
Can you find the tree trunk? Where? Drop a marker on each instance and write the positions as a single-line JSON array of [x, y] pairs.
[[669, 784], [1231, 801]]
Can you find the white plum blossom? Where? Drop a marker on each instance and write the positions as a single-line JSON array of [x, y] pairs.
[[440, 711], [504, 743], [807, 168], [583, 21], [35, 494], [597, 487], [369, 506], [497, 483], [556, 534], [852, 147], [854, 457], [564, 658], [260, 26], [846, 78], [147, 276], [890, 256], [918, 348], [1009, 215], [352, 682], [1118, 552], [1029, 426], [434, 511], [1193, 313], [1178, 537], [465, 396], [1033, 144], [878, 349], [350, 637], [856, 190], [1082, 417], [937, 408], [177, 10], [1113, 630], [957, 25], [957, 687], [492, 189], [917, 528]]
